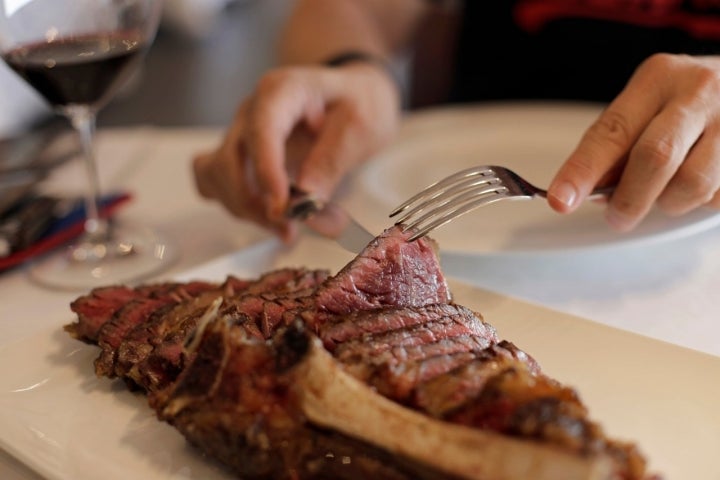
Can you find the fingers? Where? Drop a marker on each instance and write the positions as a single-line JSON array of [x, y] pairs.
[[697, 181], [248, 172], [715, 201], [338, 148], [228, 187], [308, 125], [220, 174], [605, 144], [351, 130], [653, 162], [223, 175], [657, 141], [282, 102]]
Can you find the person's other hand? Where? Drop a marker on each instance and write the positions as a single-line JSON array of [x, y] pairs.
[[303, 125], [659, 140]]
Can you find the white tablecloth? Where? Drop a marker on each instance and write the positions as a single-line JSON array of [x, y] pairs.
[[667, 291]]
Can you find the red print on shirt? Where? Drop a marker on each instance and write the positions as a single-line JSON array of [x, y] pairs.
[[699, 18]]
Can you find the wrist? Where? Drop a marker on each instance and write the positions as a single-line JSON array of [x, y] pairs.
[[358, 57]]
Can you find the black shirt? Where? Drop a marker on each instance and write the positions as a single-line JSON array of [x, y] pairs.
[[572, 49]]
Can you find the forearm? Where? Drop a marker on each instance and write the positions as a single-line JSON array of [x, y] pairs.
[[319, 29]]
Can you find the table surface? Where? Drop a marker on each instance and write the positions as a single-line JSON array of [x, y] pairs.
[[664, 291]]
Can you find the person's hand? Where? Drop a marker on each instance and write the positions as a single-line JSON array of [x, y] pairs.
[[303, 125], [659, 140]]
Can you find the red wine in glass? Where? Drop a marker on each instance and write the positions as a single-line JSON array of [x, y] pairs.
[[77, 54], [81, 70]]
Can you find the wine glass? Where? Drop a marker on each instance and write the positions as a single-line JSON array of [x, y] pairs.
[[76, 54]]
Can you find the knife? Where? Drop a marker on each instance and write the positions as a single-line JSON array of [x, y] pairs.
[[329, 219]]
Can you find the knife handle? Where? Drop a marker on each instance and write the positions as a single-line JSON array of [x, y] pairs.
[[302, 205]]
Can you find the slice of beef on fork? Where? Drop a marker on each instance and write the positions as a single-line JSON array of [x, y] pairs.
[[389, 272]]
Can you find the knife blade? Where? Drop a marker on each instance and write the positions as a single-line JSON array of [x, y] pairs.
[[329, 219]]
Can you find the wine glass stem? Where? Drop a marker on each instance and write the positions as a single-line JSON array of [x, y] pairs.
[[83, 120]]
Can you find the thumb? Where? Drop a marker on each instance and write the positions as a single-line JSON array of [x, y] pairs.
[[338, 149]]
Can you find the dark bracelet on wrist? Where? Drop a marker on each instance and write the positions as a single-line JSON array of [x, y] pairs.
[[352, 56], [357, 56]]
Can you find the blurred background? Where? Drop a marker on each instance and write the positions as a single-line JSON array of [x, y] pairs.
[[207, 56], [205, 59]]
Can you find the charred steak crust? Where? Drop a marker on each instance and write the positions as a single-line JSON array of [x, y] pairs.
[[150, 351], [161, 340], [240, 391], [217, 360], [99, 306]]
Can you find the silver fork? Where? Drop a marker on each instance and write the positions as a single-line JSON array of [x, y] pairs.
[[463, 192]]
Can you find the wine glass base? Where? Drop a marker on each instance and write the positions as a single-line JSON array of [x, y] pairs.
[[150, 255]]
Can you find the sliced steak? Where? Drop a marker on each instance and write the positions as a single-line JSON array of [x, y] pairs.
[[390, 271], [113, 332], [101, 304], [236, 402], [261, 312], [365, 324], [284, 409], [448, 392], [96, 308], [396, 349], [283, 376], [166, 322], [169, 325], [140, 341], [152, 354], [516, 401]]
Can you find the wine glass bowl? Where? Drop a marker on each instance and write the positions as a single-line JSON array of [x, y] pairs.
[[77, 54]]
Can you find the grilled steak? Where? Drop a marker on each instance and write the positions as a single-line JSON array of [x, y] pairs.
[[389, 272], [402, 347], [264, 408], [371, 372], [97, 308], [151, 353], [240, 392]]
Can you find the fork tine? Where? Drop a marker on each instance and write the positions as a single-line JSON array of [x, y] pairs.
[[453, 209], [459, 193], [463, 192], [439, 187], [469, 186], [466, 189]]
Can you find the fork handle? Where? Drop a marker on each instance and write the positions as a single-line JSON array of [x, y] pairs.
[[601, 192], [596, 194]]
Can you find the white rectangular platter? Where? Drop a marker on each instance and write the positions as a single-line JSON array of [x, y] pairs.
[[66, 424]]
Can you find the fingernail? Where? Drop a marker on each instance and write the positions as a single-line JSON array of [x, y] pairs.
[[565, 193]]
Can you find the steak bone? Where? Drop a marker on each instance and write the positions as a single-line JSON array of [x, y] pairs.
[[333, 399]]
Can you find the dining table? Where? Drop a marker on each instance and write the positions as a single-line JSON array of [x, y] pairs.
[[649, 302]]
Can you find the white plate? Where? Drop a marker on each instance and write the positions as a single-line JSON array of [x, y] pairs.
[[63, 422], [532, 139]]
